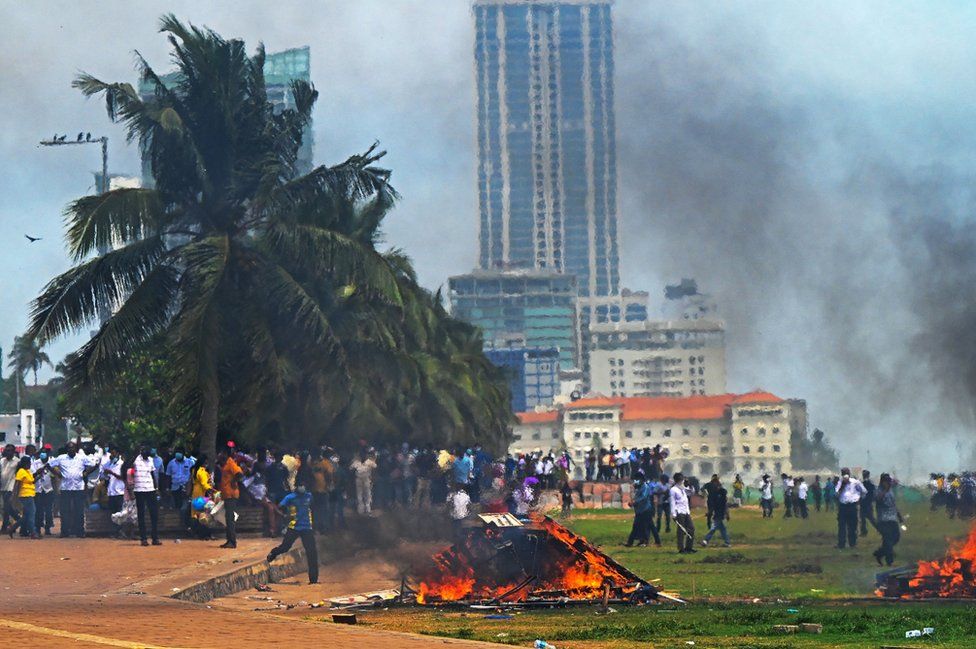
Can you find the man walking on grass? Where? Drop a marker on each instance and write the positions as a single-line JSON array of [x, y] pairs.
[[867, 503], [850, 492], [643, 504], [766, 497], [681, 513], [720, 514]]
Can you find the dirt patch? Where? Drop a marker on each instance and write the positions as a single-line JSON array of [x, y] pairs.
[[730, 557], [798, 569]]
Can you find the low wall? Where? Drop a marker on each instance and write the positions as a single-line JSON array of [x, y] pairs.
[[245, 578], [598, 495]]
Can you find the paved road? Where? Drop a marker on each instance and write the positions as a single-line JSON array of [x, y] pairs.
[[98, 593]]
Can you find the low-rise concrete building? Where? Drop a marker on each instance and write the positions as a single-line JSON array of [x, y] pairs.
[[672, 358], [725, 434], [20, 428]]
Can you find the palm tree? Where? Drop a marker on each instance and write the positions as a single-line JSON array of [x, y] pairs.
[[198, 257], [27, 356]]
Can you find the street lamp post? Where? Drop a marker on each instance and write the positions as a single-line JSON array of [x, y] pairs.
[[85, 138], [103, 185]]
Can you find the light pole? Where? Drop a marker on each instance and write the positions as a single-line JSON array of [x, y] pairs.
[[86, 138]]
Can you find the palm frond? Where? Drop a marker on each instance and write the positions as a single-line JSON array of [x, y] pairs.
[[120, 216], [73, 299], [141, 316]]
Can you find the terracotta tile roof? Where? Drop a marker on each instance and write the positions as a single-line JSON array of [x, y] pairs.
[[537, 417], [660, 408], [757, 396]]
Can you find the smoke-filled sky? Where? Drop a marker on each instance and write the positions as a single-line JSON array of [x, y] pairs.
[[811, 164]]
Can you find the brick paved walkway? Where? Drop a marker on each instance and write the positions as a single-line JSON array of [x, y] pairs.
[[82, 593]]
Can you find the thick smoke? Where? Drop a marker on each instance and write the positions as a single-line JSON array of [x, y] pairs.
[[845, 277]]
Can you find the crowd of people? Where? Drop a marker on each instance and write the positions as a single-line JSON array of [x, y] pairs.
[[955, 492], [304, 492], [858, 503]]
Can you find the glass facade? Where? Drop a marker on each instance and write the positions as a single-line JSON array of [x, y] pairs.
[[547, 174], [533, 375], [280, 70], [519, 309]]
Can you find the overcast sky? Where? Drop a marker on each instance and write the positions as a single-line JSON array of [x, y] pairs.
[[811, 164]]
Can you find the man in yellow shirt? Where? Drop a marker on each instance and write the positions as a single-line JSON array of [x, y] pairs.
[[322, 474], [24, 493]]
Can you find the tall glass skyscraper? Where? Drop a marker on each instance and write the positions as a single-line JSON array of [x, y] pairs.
[[280, 70], [547, 176]]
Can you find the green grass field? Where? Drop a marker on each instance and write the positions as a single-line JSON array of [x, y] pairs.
[[777, 572]]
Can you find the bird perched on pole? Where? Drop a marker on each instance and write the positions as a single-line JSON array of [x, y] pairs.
[[80, 135]]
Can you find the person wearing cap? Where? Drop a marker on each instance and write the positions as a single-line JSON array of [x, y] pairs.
[[850, 491], [178, 472]]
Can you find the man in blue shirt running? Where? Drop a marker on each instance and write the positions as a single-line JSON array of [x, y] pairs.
[[297, 506]]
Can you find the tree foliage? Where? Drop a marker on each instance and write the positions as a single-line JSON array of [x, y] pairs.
[[27, 357], [261, 290], [813, 452]]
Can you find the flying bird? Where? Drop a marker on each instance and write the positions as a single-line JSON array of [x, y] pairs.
[[32, 239]]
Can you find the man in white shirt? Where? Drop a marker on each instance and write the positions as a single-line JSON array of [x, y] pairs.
[[459, 505], [801, 490], [115, 488], [849, 494], [766, 497], [681, 513], [8, 469], [145, 485], [45, 491], [787, 482], [73, 467]]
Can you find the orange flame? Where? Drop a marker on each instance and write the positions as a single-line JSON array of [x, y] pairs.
[[570, 565], [951, 577]]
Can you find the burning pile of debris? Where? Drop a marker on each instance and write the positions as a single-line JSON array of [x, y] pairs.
[[953, 577], [537, 563]]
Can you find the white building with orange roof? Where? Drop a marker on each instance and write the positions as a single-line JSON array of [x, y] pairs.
[[705, 434]]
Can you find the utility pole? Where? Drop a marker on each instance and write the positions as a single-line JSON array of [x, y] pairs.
[[103, 187]]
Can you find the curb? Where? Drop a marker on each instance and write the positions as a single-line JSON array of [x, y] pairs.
[[245, 578]]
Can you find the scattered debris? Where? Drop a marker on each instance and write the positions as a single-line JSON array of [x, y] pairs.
[[344, 618], [786, 629], [809, 627], [264, 588]]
